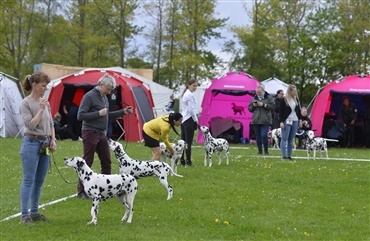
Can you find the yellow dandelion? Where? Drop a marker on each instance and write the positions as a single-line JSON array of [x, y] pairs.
[[229, 208], [226, 222], [217, 220], [278, 228], [306, 234]]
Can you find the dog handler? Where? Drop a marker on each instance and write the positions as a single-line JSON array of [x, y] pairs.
[[94, 114], [160, 127], [37, 142], [190, 120]]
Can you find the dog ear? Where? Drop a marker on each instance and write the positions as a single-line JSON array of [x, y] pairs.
[[80, 164]]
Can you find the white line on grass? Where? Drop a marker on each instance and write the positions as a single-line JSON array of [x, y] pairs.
[[317, 158], [41, 206]]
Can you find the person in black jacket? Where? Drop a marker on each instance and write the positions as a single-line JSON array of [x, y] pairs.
[[304, 125], [290, 115], [261, 105], [275, 114], [347, 116], [63, 132]]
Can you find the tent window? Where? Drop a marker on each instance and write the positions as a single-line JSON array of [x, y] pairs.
[[234, 92], [143, 104]]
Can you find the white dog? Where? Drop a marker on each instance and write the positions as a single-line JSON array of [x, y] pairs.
[[275, 136], [142, 168], [315, 143], [214, 144], [178, 148], [100, 187]]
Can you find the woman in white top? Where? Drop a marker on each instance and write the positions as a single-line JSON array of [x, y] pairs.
[[190, 119]]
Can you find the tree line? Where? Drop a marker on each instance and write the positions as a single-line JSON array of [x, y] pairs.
[[304, 42]]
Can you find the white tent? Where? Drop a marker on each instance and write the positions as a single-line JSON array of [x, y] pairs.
[[161, 94], [11, 123], [272, 85]]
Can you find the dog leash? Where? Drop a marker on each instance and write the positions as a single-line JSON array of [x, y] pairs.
[[60, 174]]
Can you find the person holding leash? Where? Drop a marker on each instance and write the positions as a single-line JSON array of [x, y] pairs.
[[290, 115], [37, 142], [94, 114], [190, 119], [159, 128]]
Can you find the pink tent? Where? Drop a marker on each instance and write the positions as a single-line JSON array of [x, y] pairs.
[[328, 102], [225, 106]]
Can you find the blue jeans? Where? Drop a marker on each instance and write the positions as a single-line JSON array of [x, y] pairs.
[[35, 168], [287, 138], [261, 132]]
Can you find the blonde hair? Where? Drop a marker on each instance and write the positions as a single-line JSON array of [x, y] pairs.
[[57, 115], [289, 96]]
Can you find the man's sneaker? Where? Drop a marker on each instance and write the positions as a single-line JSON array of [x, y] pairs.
[[26, 219], [79, 139], [83, 195], [38, 217]]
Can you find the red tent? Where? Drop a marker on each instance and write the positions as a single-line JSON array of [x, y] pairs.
[[328, 102], [130, 92]]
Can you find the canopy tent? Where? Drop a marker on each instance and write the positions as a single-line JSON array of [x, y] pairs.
[[272, 85], [11, 123], [327, 103], [130, 92], [161, 94], [228, 98]]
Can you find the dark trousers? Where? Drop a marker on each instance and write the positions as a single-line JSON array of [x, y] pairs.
[[94, 141], [261, 137], [66, 133], [187, 134]]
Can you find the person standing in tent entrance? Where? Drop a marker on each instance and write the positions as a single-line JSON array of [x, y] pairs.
[[278, 98], [37, 142], [190, 119], [94, 114], [290, 115], [159, 128], [347, 116], [261, 106]]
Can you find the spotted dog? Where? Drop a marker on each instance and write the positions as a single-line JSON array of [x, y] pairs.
[[100, 187], [315, 143], [212, 144], [275, 136], [178, 148], [140, 169]]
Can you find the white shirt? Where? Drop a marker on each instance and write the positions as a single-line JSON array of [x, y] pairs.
[[189, 106]]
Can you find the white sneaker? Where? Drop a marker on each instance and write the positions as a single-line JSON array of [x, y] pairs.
[[79, 138]]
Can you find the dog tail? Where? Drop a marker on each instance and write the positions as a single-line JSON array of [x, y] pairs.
[[172, 172]]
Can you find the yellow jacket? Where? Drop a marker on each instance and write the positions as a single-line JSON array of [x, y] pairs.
[[158, 128]]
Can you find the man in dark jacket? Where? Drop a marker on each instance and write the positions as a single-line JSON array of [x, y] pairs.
[[261, 105], [304, 125], [347, 115], [278, 98]]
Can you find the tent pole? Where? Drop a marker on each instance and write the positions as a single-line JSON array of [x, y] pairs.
[[309, 105]]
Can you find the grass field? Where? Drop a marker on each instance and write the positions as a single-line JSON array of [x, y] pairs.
[[254, 198]]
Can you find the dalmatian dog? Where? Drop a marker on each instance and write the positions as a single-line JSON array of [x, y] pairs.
[[275, 136], [178, 148], [140, 169], [315, 143], [212, 145], [100, 187]]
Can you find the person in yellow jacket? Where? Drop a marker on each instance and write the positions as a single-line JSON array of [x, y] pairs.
[[159, 128]]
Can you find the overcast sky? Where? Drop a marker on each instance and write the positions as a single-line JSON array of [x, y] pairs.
[[235, 10]]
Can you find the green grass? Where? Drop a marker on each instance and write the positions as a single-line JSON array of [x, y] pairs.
[[254, 198]]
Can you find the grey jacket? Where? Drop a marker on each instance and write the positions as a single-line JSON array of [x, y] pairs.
[[262, 115]]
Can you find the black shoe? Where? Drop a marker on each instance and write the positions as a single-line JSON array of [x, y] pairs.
[[38, 217], [284, 157], [290, 158], [182, 163], [259, 153], [83, 195], [267, 153], [189, 163]]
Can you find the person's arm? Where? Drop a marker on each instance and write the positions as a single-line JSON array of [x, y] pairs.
[[32, 121], [164, 135], [251, 107]]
